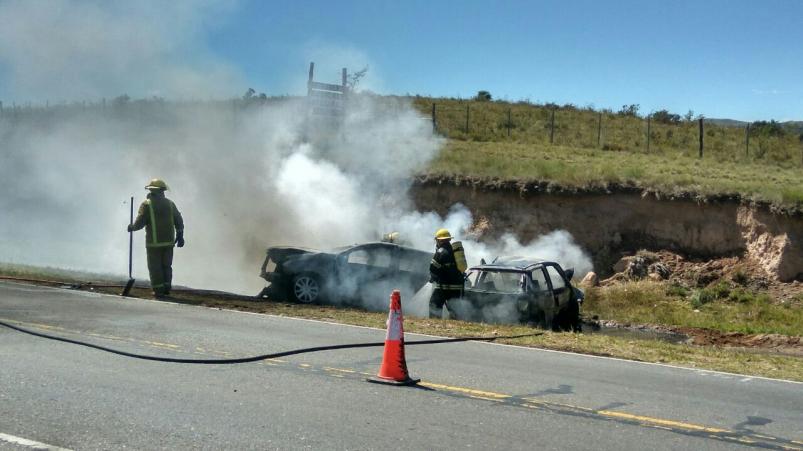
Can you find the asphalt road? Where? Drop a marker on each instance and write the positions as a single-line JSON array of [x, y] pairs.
[[472, 396]]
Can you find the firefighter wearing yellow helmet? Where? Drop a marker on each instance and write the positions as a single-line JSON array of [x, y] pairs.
[[164, 228], [446, 278]]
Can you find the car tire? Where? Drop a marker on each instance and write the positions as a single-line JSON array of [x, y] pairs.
[[306, 289]]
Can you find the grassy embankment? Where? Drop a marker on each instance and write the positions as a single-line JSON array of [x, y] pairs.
[[769, 171], [645, 302], [724, 307]]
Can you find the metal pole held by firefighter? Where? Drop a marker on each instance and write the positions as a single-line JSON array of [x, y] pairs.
[[130, 282]]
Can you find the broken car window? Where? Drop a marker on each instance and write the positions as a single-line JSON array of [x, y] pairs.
[[539, 280], [556, 278]]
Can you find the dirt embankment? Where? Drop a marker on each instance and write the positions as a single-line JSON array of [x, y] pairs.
[[613, 222]]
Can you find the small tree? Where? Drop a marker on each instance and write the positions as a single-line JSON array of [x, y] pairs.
[[629, 110], [354, 78], [665, 117], [767, 129], [121, 100], [483, 96]]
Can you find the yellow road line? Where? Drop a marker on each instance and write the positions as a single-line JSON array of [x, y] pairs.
[[468, 391], [161, 345], [557, 404], [108, 337], [660, 421]]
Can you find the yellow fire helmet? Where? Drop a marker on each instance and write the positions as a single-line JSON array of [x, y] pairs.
[[443, 234], [157, 184]]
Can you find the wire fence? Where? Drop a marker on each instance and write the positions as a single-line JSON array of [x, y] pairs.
[[586, 128]]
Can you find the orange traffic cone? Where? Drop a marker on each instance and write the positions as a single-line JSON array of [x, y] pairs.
[[394, 367]]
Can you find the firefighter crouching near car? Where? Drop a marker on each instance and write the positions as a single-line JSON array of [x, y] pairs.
[[446, 278], [164, 227]]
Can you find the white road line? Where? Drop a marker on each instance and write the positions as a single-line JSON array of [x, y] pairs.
[[30, 443]]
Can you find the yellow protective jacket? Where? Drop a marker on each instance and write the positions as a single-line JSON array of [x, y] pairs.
[[443, 272], [161, 220]]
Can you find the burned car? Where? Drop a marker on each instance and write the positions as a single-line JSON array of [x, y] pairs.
[[514, 289], [361, 274]]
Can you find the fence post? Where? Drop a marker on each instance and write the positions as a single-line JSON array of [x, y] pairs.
[[467, 105], [747, 141], [509, 124], [434, 120], [552, 127], [648, 132], [701, 137], [599, 130]]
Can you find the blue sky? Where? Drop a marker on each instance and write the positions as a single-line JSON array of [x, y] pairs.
[[740, 59], [737, 59]]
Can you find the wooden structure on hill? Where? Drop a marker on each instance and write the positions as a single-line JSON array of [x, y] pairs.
[[327, 100]]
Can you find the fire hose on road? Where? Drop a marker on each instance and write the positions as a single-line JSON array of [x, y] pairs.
[[257, 357]]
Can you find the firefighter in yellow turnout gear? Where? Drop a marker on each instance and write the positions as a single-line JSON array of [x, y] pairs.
[[445, 274], [164, 228]]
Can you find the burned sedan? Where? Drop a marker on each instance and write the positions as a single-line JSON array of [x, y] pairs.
[[362, 274], [514, 289]]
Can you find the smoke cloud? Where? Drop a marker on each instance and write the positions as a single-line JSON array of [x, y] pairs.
[[67, 50], [245, 176]]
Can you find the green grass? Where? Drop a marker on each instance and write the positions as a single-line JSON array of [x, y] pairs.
[[581, 128], [592, 168], [53, 273], [770, 171], [721, 307]]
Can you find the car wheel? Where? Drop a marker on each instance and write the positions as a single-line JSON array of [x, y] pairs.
[[306, 288]]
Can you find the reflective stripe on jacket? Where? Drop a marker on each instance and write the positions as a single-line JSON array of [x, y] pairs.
[[443, 272], [446, 286], [161, 219]]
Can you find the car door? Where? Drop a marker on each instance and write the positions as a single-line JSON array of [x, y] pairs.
[[364, 264], [561, 290], [541, 289], [413, 267]]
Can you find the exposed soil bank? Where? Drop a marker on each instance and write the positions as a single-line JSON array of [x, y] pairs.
[[610, 223]]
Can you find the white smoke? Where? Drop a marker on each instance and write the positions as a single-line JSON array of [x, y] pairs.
[[558, 246], [244, 177], [244, 180], [66, 50]]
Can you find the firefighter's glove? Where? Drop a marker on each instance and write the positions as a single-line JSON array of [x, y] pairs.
[[180, 239], [130, 227]]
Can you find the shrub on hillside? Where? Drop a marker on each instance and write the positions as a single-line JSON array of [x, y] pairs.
[[702, 297], [629, 110], [483, 96], [767, 129], [665, 117]]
